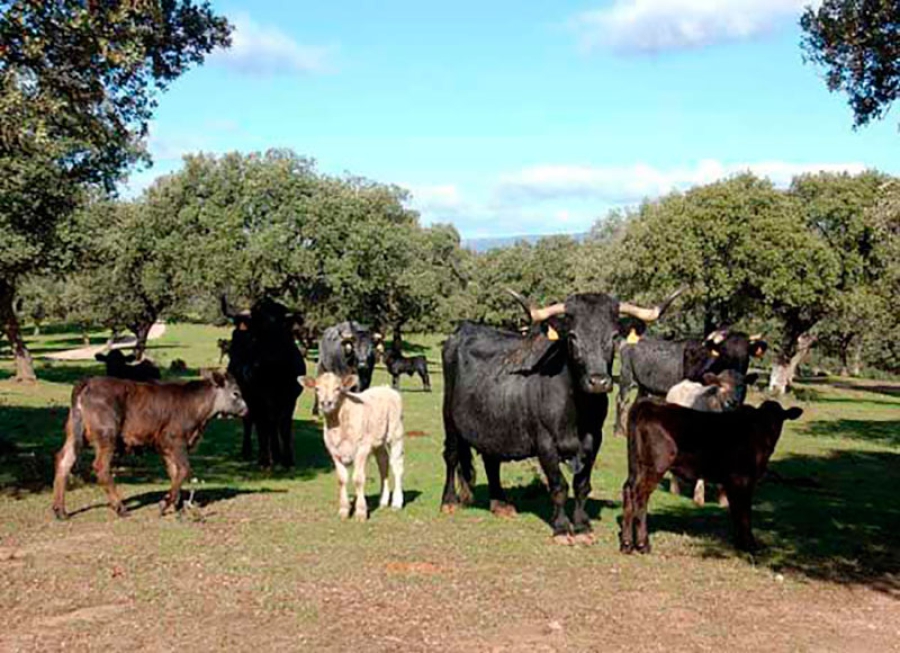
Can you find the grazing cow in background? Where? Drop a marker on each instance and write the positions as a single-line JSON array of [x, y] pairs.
[[728, 448], [512, 397], [112, 413], [264, 359], [348, 348], [224, 345], [120, 366], [397, 364], [653, 365], [356, 425], [718, 393]]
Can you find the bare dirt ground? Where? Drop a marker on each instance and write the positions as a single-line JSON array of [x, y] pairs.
[[87, 353]]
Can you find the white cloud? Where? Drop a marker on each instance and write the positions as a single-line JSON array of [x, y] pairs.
[[626, 184], [648, 26], [436, 202], [266, 50]]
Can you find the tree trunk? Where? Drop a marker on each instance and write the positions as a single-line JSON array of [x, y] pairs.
[[397, 344], [85, 335], [24, 364], [857, 364], [785, 367], [141, 331]]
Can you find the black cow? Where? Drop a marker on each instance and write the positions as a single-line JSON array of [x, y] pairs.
[[264, 359], [397, 364], [348, 348], [653, 365], [512, 397], [120, 366]]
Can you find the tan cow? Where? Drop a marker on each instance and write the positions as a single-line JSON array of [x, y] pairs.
[[357, 424]]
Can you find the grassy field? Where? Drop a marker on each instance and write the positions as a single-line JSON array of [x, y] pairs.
[[265, 563]]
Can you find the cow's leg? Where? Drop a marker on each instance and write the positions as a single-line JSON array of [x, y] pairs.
[[426, 381], [626, 535], [343, 477], [247, 445], [500, 506], [700, 492], [103, 468], [361, 508], [643, 489], [286, 435], [395, 381], [397, 471], [559, 491], [457, 458], [740, 497], [65, 460], [581, 484], [179, 469], [266, 446], [381, 457]]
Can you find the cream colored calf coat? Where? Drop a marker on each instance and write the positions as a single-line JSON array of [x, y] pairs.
[[364, 423]]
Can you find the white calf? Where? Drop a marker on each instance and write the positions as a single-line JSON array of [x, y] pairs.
[[357, 424]]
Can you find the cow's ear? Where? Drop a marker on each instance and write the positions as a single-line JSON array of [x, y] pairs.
[[349, 381], [751, 379], [218, 379], [710, 379], [100, 357], [307, 382], [793, 413]]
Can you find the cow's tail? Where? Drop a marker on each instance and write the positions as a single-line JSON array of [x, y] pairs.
[[75, 422]]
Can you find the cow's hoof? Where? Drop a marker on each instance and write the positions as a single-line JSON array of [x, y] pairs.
[[627, 548], [643, 549], [503, 509], [563, 539], [60, 513], [585, 539], [449, 508], [723, 500], [360, 516], [163, 506]]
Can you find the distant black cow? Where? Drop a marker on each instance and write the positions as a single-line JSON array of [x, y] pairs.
[[728, 448], [653, 365], [348, 348], [397, 364], [512, 397], [264, 359], [120, 366]]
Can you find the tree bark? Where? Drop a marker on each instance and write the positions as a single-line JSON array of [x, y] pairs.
[[857, 365], [24, 364], [141, 331], [785, 367]]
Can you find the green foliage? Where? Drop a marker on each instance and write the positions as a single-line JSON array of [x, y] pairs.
[[856, 41]]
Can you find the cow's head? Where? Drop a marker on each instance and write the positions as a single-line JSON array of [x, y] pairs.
[[115, 359], [330, 389], [732, 350], [728, 388], [589, 325], [770, 418], [227, 399]]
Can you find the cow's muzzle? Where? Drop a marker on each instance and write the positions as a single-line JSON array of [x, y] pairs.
[[598, 383]]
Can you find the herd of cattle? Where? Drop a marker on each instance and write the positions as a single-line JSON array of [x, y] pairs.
[[541, 392]]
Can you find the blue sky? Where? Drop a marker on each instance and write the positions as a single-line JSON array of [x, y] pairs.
[[526, 117]]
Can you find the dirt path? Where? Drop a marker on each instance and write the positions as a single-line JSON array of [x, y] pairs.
[[87, 353]]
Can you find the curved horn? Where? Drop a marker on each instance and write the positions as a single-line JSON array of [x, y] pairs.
[[538, 314], [226, 309], [649, 314]]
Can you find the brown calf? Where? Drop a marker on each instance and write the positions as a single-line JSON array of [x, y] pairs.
[[729, 448], [170, 417]]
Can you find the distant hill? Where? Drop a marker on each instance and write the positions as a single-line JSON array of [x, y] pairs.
[[486, 244]]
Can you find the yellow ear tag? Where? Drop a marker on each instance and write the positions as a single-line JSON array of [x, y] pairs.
[[633, 337], [714, 353], [551, 333]]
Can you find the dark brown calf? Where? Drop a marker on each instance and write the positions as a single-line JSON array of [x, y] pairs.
[[170, 417], [731, 448]]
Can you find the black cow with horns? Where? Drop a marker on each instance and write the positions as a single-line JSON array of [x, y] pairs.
[[265, 361], [512, 397], [653, 365]]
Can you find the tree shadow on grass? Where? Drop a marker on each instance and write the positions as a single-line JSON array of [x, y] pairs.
[[843, 526], [30, 438], [874, 431], [202, 498], [889, 389]]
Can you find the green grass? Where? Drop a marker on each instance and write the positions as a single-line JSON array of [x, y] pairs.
[[267, 563]]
